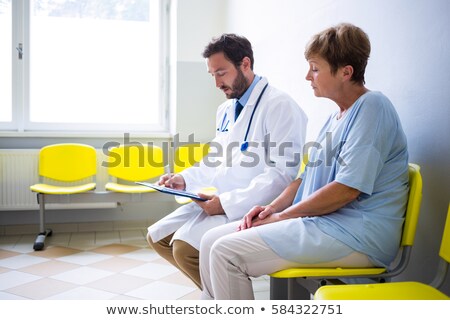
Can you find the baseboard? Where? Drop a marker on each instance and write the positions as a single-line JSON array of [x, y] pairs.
[[99, 226]]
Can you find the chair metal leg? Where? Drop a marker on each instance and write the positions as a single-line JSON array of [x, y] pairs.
[[278, 289], [39, 243], [300, 289], [291, 289]]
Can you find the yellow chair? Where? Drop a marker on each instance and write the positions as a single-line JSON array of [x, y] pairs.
[[186, 156], [70, 164], [396, 290], [131, 163], [322, 276], [303, 164]]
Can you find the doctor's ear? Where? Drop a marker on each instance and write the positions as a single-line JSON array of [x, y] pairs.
[[246, 63]]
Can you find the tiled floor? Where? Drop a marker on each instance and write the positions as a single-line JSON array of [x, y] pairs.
[[93, 265]]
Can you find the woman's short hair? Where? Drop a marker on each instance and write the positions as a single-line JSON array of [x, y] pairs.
[[342, 45], [234, 47]]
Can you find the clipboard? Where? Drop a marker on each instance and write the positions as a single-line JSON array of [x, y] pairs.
[[174, 192]]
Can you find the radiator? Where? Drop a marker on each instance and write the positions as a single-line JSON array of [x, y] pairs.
[[19, 170]]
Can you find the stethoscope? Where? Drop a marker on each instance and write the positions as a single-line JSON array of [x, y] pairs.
[[224, 125]]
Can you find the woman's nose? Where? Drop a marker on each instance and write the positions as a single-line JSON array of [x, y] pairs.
[[308, 76]]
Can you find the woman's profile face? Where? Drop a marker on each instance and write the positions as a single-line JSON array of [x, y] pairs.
[[323, 83]]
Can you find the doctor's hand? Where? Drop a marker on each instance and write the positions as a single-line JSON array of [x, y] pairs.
[[255, 216], [174, 181], [211, 206]]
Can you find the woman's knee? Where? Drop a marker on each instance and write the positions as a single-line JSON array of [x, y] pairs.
[[211, 236], [234, 248], [207, 241], [220, 251]]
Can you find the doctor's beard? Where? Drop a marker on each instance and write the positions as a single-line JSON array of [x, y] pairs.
[[238, 87]]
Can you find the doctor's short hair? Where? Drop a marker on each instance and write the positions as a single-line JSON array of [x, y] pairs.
[[234, 47], [342, 45]]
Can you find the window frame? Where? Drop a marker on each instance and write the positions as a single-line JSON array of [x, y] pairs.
[[21, 124]]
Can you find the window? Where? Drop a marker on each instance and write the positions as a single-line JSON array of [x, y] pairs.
[[5, 62], [83, 65]]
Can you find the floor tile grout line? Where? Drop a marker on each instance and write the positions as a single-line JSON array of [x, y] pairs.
[[69, 240], [18, 241]]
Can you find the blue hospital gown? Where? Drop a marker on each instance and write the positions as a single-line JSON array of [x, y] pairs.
[[366, 150]]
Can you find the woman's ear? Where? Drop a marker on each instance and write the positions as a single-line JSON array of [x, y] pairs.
[[347, 72]]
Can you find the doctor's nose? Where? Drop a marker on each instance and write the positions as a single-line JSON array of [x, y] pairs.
[[218, 82]]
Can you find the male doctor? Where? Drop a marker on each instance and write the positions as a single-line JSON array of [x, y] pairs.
[[255, 155]]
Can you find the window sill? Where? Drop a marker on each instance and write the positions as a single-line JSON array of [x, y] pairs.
[[93, 134]]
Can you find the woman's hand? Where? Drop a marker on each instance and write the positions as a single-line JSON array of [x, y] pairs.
[[255, 216]]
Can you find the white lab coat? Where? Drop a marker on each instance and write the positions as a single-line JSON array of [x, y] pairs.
[[242, 179]]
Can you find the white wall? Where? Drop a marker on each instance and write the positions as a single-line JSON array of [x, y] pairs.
[[409, 63], [197, 99]]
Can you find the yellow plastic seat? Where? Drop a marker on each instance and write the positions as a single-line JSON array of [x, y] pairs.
[[186, 156], [328, 275], [130, 163], [67, 168], [396, 290], [380, 291]]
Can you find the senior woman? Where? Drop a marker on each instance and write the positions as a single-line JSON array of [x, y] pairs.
[[346, 209]]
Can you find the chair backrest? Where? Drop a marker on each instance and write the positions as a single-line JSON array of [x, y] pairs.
[[413, 205], [444, 252], [67, 162], [136, 162], [189, 154]]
